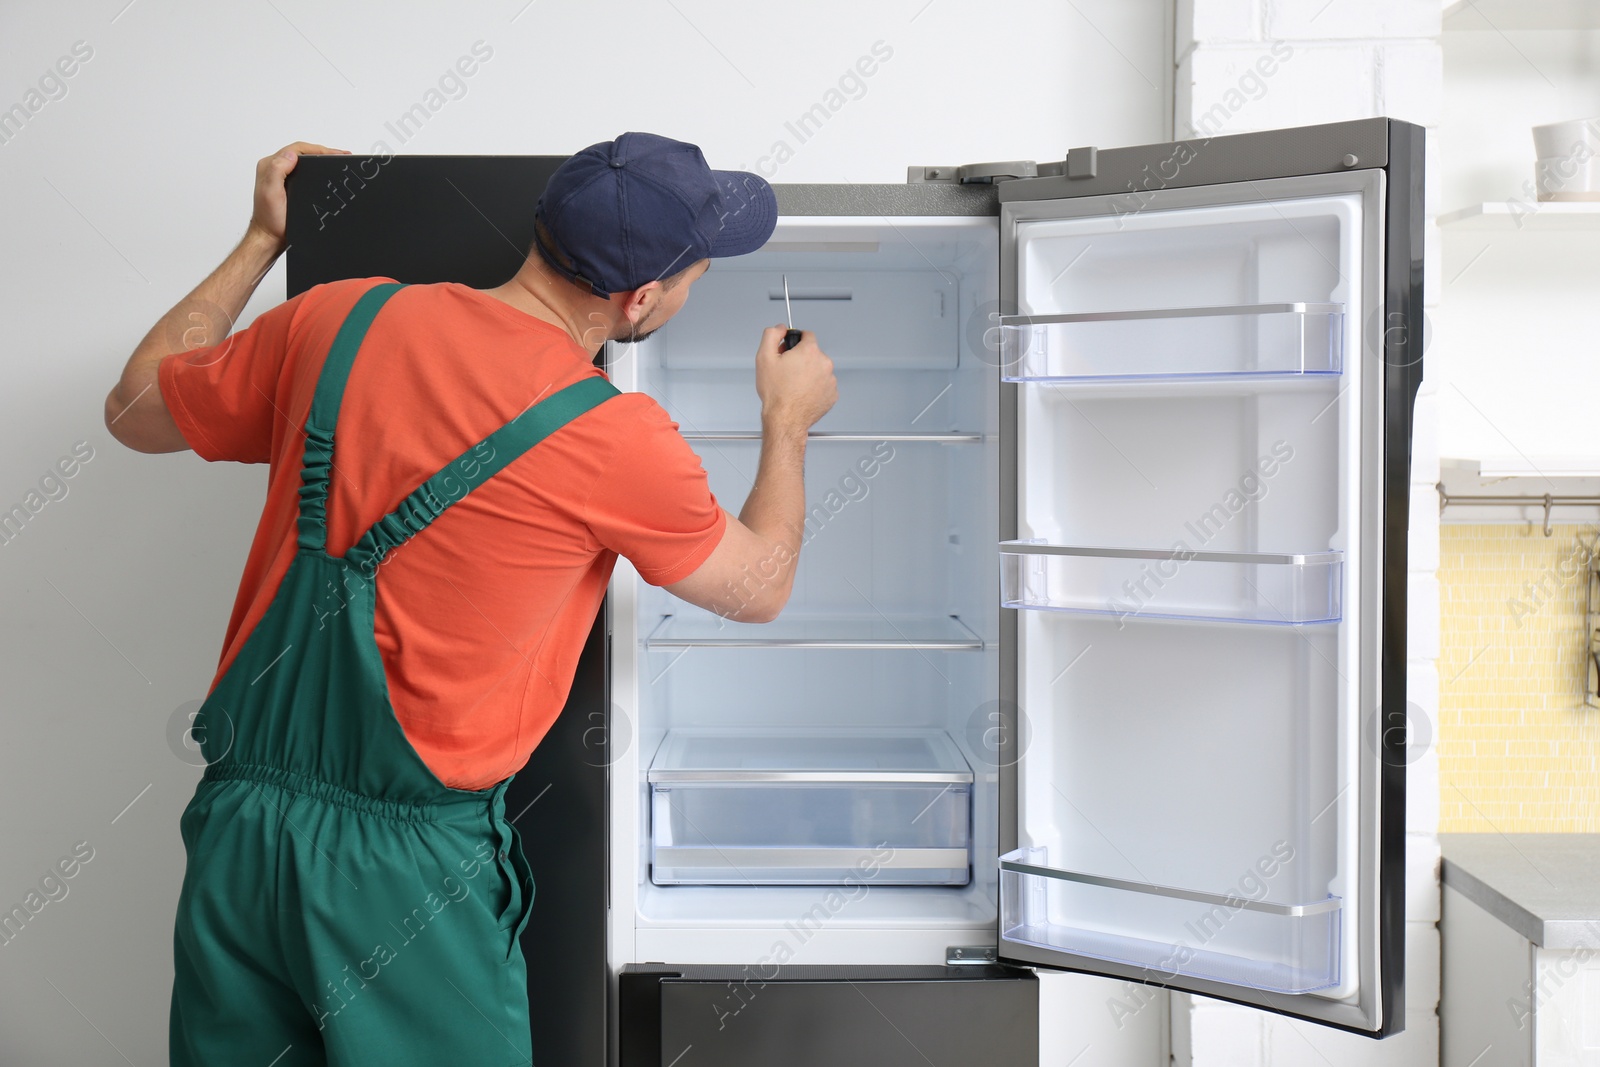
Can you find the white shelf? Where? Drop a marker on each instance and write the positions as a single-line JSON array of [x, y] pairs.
[[1502, 15], [937, 633], [1519, 216]]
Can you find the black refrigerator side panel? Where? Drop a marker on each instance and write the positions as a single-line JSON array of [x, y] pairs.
[[558, 804], [469, 219], [1403, 343], [804, 1016]]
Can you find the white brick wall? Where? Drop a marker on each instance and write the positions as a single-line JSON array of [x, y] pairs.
[[1331, 60]]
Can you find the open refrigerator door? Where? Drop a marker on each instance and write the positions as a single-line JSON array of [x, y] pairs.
[[1199, 563]]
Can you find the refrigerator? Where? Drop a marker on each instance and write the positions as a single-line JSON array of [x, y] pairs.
[[1095, 659]]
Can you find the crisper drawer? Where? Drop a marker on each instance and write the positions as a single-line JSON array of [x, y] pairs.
[[810, 808]]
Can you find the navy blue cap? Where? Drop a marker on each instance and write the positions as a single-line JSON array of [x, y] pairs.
[[642, 207]]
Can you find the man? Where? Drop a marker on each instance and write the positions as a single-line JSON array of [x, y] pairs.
[[354, 891]]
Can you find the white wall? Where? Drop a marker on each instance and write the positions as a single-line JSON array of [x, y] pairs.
[[1347, 59], [123, 192]]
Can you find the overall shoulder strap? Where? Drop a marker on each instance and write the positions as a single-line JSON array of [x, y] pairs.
[[474, 467], [318, 460]]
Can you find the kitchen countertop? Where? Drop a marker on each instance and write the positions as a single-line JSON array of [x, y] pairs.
[[1546, 887]]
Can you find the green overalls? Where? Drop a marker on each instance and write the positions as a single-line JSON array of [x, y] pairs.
[[341, 905]]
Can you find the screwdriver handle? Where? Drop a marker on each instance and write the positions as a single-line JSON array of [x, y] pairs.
[[790, 339]]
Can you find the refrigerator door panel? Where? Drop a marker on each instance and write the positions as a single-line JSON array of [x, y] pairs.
[[1205, 454]]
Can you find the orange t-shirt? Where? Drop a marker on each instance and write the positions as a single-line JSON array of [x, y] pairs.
[[481, 617]]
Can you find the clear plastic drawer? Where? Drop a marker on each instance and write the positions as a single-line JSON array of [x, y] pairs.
[[1133, 583], [810, 808], [1261, 340], [1170, 931]]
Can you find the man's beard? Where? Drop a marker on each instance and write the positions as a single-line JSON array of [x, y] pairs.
[[631, 336]]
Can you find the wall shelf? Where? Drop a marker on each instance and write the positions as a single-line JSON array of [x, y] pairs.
[[1514, 216], [1523, 490], [1505, 15]]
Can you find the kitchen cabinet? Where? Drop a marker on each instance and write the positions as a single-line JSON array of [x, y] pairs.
[[1520, 931]]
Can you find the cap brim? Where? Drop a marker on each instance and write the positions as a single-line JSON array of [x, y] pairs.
[[750, 213]]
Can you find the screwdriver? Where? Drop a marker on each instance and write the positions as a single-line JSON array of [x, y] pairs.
[[792, 337]]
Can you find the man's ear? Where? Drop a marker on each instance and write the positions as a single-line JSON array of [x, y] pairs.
[[637, 304]]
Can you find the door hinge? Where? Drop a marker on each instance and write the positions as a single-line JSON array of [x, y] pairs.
[[1082, 162], [974, 173], [965, 955]]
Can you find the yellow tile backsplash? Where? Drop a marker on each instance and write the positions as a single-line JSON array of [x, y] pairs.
[[1518, 748]]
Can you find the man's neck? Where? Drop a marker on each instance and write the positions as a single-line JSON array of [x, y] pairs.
[[554, 300]]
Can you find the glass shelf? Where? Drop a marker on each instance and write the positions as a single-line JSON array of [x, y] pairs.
[[1286, 948], [1259, 587], [910, 632], [1175, 344]]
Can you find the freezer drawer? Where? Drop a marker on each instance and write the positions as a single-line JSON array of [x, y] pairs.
[[802, 1016], [810, 808]]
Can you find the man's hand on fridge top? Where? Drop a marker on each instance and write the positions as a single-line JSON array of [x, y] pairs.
[[796, 387], [271, 201], [136, 412]]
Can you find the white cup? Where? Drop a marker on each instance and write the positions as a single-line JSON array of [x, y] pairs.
[[1563, 139], [1567, 178]]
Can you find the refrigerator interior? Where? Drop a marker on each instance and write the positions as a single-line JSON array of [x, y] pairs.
[[859, 718], [1189, 511]]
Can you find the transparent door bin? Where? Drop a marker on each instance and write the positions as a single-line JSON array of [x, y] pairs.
[[1258, 587], [1243, 340], [1168, 931], [810, 807]]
